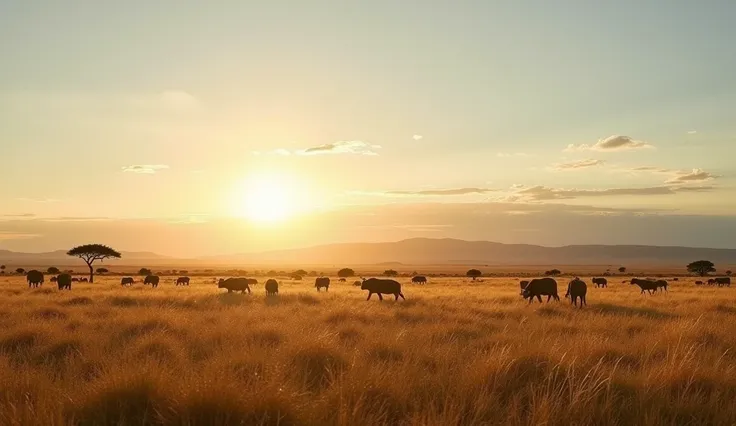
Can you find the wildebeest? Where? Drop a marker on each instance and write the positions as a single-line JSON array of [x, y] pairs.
[[34, 278], [382, 286], [577, 288], [64, 281], [541, 287], [272, 287], [662, 284], [419, 279], [236, 284], [645, 285], [322, 282], [127, 281], [182, 281], [153, 280], [522, 286], [723, 281], [600, 282]]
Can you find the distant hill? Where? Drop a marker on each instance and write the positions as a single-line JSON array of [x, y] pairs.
[[427, 251], [59, 258]]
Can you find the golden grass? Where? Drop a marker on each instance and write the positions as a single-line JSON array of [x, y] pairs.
[[454, 353]]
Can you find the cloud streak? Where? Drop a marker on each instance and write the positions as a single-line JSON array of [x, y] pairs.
[[577, 165], [342, 147], [440, 192], [146, 169], [696, 175], [611, 144], [543, 193]]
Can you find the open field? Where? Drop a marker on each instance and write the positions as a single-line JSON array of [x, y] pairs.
[[454, 353]]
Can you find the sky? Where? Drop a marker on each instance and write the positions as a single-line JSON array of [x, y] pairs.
[[195, 129]]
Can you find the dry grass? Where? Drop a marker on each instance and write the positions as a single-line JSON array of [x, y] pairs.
[[455, 353]]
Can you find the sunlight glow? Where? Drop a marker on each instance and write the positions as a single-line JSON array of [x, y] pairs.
[[265, 198]]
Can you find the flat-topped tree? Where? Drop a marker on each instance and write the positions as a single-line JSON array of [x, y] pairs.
[[701, 267], [91, 253]]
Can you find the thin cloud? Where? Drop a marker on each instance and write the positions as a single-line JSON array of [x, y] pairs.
[[650, 169], [441, 192], [696, 175], [343, 147], [692, 132], [417, 137], [146, 169], [511, 154], [6, 236], [19, 216], [277, 151], [40, 200], [611, 143], [543, 193], [577, 165]]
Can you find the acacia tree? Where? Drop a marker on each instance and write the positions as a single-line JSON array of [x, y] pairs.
[[390, 273], [622, 269], [91, 253], [345, 273], [473, 273], [20, 271], [701, 267], [145, 271], [53, 270], [729, 273]]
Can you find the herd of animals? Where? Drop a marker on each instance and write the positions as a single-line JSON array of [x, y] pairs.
[[576, 289]]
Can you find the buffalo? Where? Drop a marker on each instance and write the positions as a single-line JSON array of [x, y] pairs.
[[577, 289], [600, 282], [322, 282], [723, 281], [698, 283], [126, 281], [182, 281], [419, 279], [153, 280], [382, 286], [522, 286], [75, 280], [645, 285], [662, 284], [272, 287], [53, 279], [34, 278], [236, 284], [541, 287], [357, 283], [64, 281]]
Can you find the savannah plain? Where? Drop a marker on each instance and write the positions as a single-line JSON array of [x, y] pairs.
[[456, 352]]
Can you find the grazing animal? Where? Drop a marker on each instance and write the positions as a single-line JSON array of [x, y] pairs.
[[577, 289], [182, 281], [675, 279], [381, 286], [153, 280], [127, 281], [53, 279], [419, 279], [522, 286], [272, 287], [723, 281], [662, 284], [357, 283], [600, 282], [34, 278], [75, 280], [541, 287], [322, 282], [64, 281], [236, 284], [83, 280], [342, 280], [645, 285], [711, 281], [698, 283]]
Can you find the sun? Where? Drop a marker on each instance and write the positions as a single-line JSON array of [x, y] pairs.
[[265, 198]]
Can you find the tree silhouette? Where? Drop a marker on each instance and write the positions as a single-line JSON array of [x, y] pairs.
[[622, 269], [729, 273], [145, 271], [390, 273], [101, 271], [701, 267], [53, 270], [553, 272], [20, 271], [473, 273], [345, 273], [301, 272], [91, 253]]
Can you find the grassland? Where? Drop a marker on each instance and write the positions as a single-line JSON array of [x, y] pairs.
[[455, 353]]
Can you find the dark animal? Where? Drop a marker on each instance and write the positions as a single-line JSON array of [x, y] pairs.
[[522, 286], [34, 278], [153, 280], [419, 279], [64, 281], [322, 282], [381, 286], [600, 282], [577, 289], [272, 287], [645, 285], [127, 281], [711, 281], [541, 287], [698, 283], [53, 279], [83, 280], [182, 281], [662, 284], [342, 280], [723, 281], [236, 284], [357, 283], [675, 279], [75, 280]]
